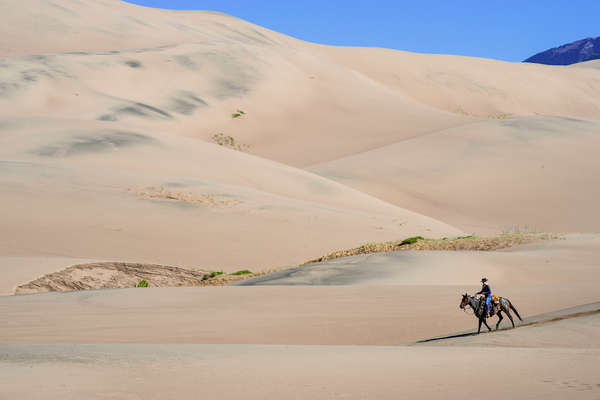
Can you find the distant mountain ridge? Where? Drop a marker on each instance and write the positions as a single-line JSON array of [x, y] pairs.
[[571, 53]]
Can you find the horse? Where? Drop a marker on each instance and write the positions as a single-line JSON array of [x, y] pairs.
[[479, 309]]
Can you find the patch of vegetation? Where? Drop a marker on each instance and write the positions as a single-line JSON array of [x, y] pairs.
[[142, 283], [242, 272], [411, 240], [211, 275], [500, 116], [238, 114], [461, 243], [229, 142]]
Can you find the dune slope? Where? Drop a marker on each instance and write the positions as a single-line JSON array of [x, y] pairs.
[[111, 114], [533, 173]]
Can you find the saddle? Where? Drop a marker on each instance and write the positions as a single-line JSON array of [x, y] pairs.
[[495, 306]]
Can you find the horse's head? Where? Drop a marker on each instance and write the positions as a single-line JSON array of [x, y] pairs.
[[465, 301]]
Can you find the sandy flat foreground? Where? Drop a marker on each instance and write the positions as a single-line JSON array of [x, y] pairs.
[[555, 371], [344, 335]]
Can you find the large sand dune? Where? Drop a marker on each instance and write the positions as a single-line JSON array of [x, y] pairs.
[[85, 190], [92, 107]]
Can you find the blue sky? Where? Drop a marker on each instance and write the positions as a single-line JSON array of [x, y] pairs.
[[506, 30]]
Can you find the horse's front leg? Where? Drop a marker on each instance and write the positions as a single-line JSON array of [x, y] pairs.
[[486, 325], [479, 327]]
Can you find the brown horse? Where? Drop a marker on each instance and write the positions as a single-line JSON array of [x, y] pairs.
[[479, 310]]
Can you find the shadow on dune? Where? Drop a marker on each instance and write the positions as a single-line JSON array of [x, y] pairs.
[[97, 142]]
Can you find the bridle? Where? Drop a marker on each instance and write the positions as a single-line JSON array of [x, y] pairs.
[[467, 305]]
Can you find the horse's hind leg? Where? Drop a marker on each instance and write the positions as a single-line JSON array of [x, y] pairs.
[[500, 318], [511, 318]]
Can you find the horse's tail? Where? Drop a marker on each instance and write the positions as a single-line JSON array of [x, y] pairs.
[[515, 310]]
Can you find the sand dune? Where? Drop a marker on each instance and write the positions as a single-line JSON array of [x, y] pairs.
[[595, 64], [129, 98], [534, 173], [478, 87], [62, 26], [72, 192]]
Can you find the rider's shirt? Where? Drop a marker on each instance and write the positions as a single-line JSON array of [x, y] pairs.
[[485, 290]]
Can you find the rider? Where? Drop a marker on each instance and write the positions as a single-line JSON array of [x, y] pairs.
[[487, 292]]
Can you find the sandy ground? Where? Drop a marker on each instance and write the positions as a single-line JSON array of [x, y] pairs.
[[575, 327], [322, 340], [403, 297], [556, 371]]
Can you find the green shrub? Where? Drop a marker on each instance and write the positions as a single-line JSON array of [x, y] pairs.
[[142, 283], [211, 275], [411, 240], [238, 113], [242, 272]]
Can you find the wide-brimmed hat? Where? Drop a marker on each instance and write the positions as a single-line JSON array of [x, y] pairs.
[[483, 280]]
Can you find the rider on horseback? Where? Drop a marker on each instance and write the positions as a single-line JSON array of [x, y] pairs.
[[487, 292]]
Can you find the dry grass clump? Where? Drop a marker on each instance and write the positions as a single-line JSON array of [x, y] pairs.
[[229, 142], [159, 192], [500, 116], [418, 243]]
